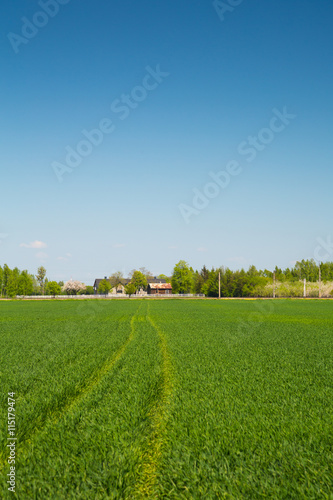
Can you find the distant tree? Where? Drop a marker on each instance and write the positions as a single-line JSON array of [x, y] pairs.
[[267, 273], [145, 272], [139, 280], [53, 288], [197, 282], [104, 287], [254, 283], [73, 287], [116, 278], [307, 269], [252, 271], [326, 271], [12, 283], [164, 277], [212, 283], [5, 277], [35, 285], [41, 272], [25, 284], [130, 289], [289, 276], [182, 278], [142, 270], [200, 280], [89, 290]]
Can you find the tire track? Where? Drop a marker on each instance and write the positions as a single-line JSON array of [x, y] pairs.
[[79, 396], [158, 416], [99, 375]]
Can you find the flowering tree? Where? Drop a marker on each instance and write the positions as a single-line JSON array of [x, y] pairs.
[[73, 287]]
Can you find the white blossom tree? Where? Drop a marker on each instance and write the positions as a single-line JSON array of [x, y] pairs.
[[73, 287]]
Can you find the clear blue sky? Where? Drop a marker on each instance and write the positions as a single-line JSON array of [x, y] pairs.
[[223, 75]]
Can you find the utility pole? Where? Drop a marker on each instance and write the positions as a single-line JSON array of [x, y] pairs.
[[319, 282], [304, 290], [219, 284], [273, 285]]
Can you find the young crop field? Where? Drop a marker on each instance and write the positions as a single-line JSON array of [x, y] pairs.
[[174, 399]]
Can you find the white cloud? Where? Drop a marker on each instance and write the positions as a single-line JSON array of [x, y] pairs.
[[34, 244]]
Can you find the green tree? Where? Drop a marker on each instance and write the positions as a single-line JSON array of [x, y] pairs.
[[116, 278], [5, 278], [199, 281], [53, 288], [25, 284], [139, 280], [104, 287], [182, 278], [36, 287], [164, 277], [1, 280], [89, 290], [254, 283], [12, 283], [145, 272], [212, 283], [326, 271], [130, 289], [41, 272]]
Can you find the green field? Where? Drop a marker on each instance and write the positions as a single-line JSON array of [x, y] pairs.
[[177, 399]]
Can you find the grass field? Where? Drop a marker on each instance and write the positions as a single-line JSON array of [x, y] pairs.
[[177, 399]]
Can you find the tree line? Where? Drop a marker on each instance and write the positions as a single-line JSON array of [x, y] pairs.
[[250, 283], [14, 282], [184, 279], [240, 283]]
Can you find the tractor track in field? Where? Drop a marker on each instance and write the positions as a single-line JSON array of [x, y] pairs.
[[79, 396], [99, 375], [159, 417]]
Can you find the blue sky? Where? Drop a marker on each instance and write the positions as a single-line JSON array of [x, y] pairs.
[[196, 84]]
